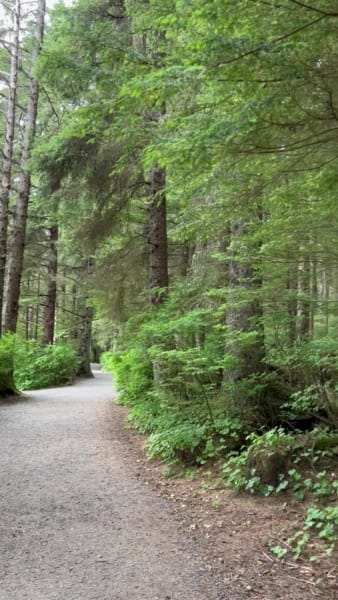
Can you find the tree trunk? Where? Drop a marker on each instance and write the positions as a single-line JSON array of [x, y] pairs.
[[304, 304], [84, 347], [50, 301], [17, 243], [243, 316], [326, 299], [314, 296], [292, 287], [187, 254], [60, 314], [37, 309], [74, 329], [8, 147], [157, 237]]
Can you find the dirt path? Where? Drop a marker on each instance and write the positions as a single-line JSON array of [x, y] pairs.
[[75, 523]]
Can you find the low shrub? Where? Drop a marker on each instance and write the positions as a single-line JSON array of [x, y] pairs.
[[320, 525], [176, 437], [132, 372], [38, 367], [7, 345], [181, 441]]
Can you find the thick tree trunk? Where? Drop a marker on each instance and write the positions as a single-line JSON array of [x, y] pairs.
[[37, 309], [292, 287], [74, 332], [157, 237], [314, 296], [50, 301], [243, 316], [84, 338], [85, 329], [27, 310], [17, 243], [304, 304], [8, 147], [186, 259], [326, 298]]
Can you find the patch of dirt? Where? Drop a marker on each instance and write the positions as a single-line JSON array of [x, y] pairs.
[[233, 531]]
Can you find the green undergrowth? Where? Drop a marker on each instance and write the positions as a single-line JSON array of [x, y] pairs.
[[26, 365], [193, 429], [7, 384], [38, 367], [304, 467], [171, 373]]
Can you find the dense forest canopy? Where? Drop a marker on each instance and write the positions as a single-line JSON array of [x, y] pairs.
[[169, 174]]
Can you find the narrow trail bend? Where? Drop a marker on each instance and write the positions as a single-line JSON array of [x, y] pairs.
[[75, 524]]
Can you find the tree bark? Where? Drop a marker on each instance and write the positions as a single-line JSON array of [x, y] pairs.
[[292, 287], [326, 299], [304, 304], [314, 296], [74, 333], [243, 316], [50, 301], [27, 313], [8, 148], [17, 243], [37, 309], [84, 347], [157, 237]]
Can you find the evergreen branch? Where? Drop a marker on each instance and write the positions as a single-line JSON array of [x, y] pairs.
[[314, 9], [303, 143], [50, 102], [315, 168], [269, 4], [284, 149], [275, 41]]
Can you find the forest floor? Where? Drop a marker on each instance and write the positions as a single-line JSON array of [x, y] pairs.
[[233, 531], [85, 515]]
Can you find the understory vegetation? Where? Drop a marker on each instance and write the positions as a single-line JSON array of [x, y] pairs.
[[285, 441], [27, 365]]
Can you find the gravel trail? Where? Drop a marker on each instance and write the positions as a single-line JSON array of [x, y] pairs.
[[75, 523]]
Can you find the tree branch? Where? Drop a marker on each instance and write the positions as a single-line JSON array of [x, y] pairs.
[[314, 9], [276, 41]]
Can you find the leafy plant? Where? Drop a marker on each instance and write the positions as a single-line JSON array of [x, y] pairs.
[[7, 348], [132, 372], [37, 367], [277, 549], [180, 441], [320, 524]]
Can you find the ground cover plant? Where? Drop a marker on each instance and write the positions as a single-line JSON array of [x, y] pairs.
[[288, 445], [37, 366]]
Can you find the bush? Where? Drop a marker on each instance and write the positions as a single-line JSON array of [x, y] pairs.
[[169, 373], [311, 369], [176, 436], [132, 372], [180, 441], [7, 344], [37, 367]]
